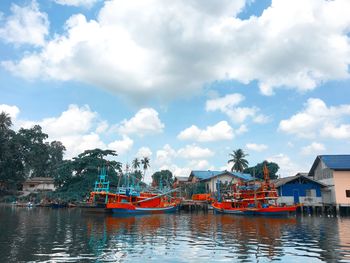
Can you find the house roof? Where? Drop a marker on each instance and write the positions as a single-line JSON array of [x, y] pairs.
[[181, 178], [46, 180], [285, 180], [334, 162], [207, 175]]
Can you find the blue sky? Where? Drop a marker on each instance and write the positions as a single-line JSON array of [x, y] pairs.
[[184, 83]]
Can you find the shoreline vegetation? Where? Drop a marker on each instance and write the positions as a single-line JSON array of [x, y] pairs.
[[28, 153]]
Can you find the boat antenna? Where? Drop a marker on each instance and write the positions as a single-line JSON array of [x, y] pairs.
[[266, 174]]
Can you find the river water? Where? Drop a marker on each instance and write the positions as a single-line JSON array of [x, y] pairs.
[[73, 235]]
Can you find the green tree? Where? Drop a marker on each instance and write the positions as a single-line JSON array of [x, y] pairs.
[[55, 158], [135, 164], [11, 157], [11, 162], [163, 178], [35, 151], [145, 161], [258, 172], [84, 170], [5, 121], [63, 173], [239, 163]]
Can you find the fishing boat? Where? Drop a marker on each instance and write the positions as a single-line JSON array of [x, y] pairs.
[[133, 203], [100, 195], [255, 198], [128, 197]]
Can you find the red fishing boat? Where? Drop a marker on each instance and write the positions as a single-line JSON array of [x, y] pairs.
[[128, 198], [254, 198], [133, 203]]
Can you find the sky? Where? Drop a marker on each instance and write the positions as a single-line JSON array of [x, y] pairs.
[[182, 82]]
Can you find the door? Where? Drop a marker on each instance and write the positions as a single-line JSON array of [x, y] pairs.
[[296, 196]]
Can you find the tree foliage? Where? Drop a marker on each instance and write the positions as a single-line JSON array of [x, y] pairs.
[[237, 158], [163, 178], [258, 172], [145, 161], [25, 154]]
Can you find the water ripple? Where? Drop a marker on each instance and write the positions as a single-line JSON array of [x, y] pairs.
[[44, 235]]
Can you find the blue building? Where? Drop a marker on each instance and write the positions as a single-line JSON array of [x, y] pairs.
[[299, 189]]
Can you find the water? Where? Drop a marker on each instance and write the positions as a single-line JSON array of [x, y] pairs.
[[72, 235]]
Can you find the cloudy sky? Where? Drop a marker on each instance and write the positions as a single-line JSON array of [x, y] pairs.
[[184, 82]]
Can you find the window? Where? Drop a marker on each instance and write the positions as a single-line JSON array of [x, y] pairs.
[[310, 192], [347, 193]]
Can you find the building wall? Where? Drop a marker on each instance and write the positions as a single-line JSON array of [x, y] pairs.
[[322, 172], [341, 183], [325, 175], [307, 201], [211, 184], [33, 187], [288, 189]]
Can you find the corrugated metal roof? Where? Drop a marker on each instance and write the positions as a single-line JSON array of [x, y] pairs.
[[340, 162], [285, 180], [181, 178], [40, 180], [206, 175], [336, 162]]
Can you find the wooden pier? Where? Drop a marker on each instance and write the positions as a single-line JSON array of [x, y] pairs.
[[324, 210], [194, 205]]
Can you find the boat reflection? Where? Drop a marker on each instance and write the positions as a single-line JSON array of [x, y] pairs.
[[111, 235]]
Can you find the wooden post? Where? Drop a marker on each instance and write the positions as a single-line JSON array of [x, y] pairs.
[[337, 207]]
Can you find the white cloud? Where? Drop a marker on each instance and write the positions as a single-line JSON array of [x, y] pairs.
[[102, 127], [144, 152], [145, 121], [337, 132], [228, 105], [26, 25], [313, 149], [121, 146], [224, 103], [76, 144], [84, 3], [256, 147], [290, 144], [194, 152], [78, 128], [75, 120], [73, 127], [242, 129], [165, 156], [220, 131], [317, 119], [287, 166], [181, 171], [261, 118], [12, 111], [199, 165], [158, 48]]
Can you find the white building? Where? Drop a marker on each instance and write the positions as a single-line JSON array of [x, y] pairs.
[[210, 178], [37, 184]]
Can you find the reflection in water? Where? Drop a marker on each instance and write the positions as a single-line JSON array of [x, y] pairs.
[[70, 235]]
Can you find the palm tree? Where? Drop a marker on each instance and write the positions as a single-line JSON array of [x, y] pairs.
[[135, 164], [118, 167], [145, 165], [239, 163], [5, 121]]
